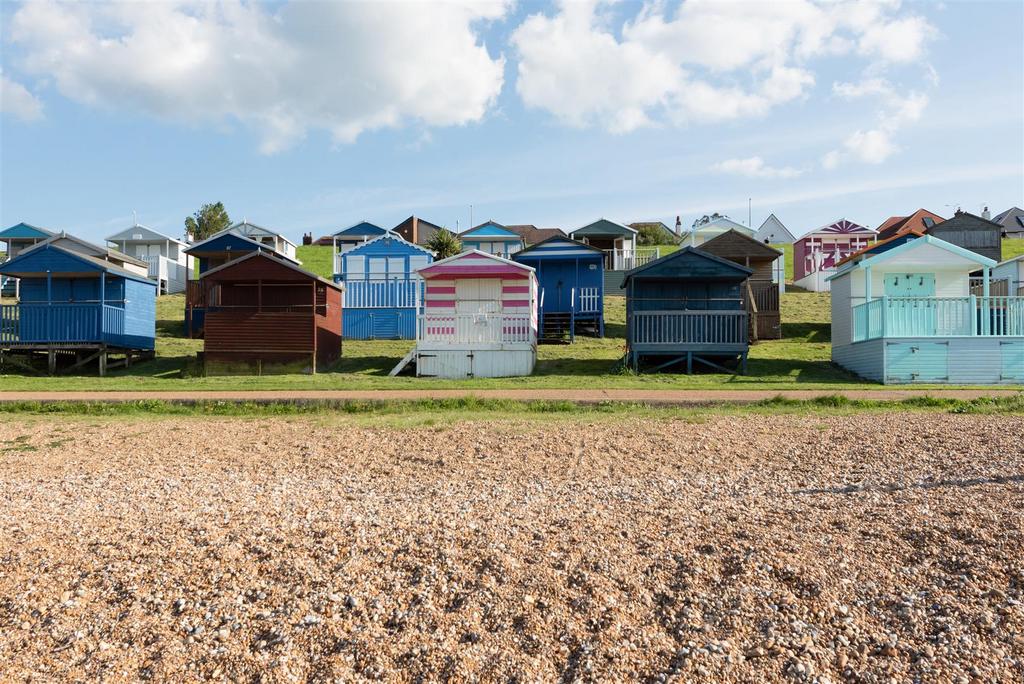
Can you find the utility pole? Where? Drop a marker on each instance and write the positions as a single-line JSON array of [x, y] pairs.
[[750, 223]]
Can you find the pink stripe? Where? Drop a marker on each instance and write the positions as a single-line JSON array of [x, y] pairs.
[[515, 302], [515, 289], [440, 303], [433, 289]]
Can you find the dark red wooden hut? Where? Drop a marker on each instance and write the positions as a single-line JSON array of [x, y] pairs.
[[267, 315]]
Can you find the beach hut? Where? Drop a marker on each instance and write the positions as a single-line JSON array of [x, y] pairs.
[[491, 238], [685, 308], [817, 254], [383, 292], [570, 278], [618, 243], [907, 315], [221, 248], [774, 232], [761, 294], [15, 239], [167, 262], [353, 236], [479, 319], [76, 308], [265, 314]]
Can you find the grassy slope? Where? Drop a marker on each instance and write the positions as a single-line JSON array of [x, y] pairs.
[[799, 361]]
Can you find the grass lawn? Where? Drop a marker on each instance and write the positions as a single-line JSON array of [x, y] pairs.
[[798, 361]]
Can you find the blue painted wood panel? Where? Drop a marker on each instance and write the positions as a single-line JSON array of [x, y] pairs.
[[917, 361], [379, 324], [1012, 357]]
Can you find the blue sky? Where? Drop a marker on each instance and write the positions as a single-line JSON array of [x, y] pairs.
[[315, 117]]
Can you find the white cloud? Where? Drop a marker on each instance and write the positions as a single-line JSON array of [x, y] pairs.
[[698, 61], [346, 68], [754, 167], [876, 145], [16, 100]]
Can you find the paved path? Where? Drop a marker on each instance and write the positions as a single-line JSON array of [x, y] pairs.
[[658, 397]]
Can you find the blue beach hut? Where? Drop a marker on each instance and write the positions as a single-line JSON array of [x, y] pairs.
[[570, 276], [687, 307], [77, 307], [383, 293], [491, 238]]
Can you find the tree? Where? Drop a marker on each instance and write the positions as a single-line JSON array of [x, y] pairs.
[[444, 244], [210, 219]]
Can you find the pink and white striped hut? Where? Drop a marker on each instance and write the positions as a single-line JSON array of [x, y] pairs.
[[479, 318]]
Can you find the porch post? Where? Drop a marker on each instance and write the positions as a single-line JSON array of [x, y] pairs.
[[103, 298], [986, 306], [987, 272], [49, 305], [867, 283]]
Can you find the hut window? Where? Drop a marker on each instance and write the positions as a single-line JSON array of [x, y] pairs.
[[396, 268], [378, 268], [417, 262], [355, 266]]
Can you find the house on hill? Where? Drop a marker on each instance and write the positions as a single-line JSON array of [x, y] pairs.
[[416, 230], [707, 227], [922, 219], [980, 235], [816, 254], [353, 236], [15, 239], [168, 264], [657, 230], [774, 232], [1012, 221], [491, 237], [533, 235]]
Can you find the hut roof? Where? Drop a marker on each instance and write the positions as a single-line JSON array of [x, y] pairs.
[[361, 229], [603, 227], [139, 232], [549, 247], [733, 243], [674, 266], [21, 265], [533, 235], [25, 230], [242, 264], [475, 264]]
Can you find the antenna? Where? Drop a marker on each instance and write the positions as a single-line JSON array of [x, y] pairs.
[[135, 218], [470, 215], [749, 221]]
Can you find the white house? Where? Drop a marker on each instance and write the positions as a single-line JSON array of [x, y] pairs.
[[168, 264], [704, 230], [276, 241], [1012, 272], [907, 315], [774, 232]]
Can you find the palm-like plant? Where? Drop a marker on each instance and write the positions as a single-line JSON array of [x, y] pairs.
[[444, 244]]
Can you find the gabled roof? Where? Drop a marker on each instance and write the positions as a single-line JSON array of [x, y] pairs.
[[275, 258], [533, 235], [973, 259], [100, 265], [880, 246], [147, 234], [490, 229], [438, 267], [774, 230], [968, 221], [841, 227], [603, 227], [361, 229], [25, 231], [246, 229], [721, 224], [550, 245], [420, 221], [97, 250], [216, 243], [389, 236], [752, 245], [1011, 219], [685, 252], [922, 218]]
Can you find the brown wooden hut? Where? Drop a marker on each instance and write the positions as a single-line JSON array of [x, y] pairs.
[[267, 315], [761, 295]]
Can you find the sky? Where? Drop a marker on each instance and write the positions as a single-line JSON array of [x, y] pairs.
[[313, 116]]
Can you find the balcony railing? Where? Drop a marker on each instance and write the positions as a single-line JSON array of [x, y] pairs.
[[938, 317], [627, 259], [589, 300], [49, 323], [680, 328], [383, 294], [476, 328]]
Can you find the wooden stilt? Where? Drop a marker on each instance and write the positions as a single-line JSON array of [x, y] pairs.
[[51, 360], [103, 362]]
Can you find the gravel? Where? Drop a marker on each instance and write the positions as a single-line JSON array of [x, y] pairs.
[[882, 547]]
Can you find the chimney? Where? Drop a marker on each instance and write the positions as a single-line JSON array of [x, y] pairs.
[[415, 231], [985, 213], [679, 227]]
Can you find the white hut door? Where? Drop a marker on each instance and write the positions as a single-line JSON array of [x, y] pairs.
[[475, 298]]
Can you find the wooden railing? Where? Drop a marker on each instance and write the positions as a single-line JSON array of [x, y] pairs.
[[590, 300], [997, 287], [996, 316], [672, 328], [476, 328], [49, 323], [628, 259], [381, 294]]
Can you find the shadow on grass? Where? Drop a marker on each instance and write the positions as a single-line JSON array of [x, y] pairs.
[[807, 332]]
